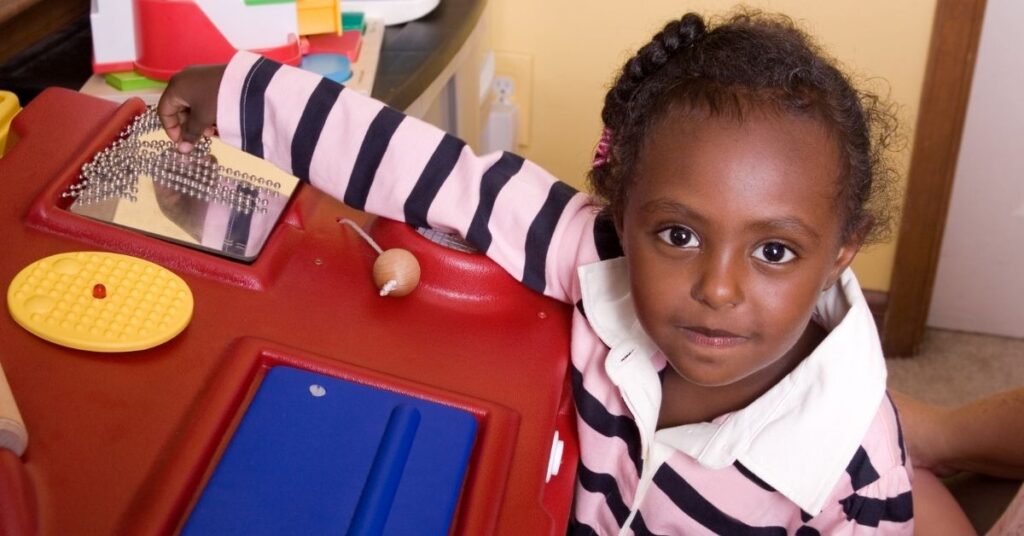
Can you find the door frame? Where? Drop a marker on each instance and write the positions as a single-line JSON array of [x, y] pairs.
[[940, 121]]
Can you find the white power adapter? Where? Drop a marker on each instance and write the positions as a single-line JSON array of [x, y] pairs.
[[500, 133]]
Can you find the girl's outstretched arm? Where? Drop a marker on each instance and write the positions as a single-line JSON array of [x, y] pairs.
[[377, 159]]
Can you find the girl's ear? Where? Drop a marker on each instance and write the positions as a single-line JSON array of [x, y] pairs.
[[843, 259], [845, 255]]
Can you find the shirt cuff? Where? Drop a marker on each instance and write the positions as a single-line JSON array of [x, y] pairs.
[[228, 97]]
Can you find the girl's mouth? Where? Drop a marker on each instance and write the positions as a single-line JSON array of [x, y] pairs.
[[714, 338]]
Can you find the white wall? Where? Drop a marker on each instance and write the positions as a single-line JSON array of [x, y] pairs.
[[979, 285]]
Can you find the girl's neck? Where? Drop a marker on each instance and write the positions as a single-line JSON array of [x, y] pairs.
[[683, 402]]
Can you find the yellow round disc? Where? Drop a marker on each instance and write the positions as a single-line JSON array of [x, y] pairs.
[[102, 302]]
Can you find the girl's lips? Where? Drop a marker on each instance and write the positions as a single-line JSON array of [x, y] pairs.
[[714, 338]]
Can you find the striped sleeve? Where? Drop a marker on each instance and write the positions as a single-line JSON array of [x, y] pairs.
[[882, 507], [874, 494], [378, 160]]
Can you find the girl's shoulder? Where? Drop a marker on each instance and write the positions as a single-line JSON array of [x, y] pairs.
[[881, 455], [875, 489]]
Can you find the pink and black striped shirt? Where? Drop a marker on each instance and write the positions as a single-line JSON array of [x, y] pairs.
[[819, 453]]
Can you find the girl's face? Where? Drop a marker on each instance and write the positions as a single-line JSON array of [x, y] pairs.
[[732, 232]]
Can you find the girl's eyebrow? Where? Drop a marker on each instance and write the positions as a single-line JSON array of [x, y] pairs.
[[674, 207], [787, 223], [793, 225]]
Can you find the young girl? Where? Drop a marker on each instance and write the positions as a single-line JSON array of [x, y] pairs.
[[727, 372]]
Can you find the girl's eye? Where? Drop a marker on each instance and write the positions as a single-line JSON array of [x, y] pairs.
[[774, 253], [679, 236]]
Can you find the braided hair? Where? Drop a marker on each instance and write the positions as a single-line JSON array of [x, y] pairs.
[[751, 61]]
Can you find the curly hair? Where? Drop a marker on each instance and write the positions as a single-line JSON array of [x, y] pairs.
[[751, 61]]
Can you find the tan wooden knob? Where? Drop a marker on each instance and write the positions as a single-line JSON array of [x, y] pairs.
[[13, 435], [396, 272]]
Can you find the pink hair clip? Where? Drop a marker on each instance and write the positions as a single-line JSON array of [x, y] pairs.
[[604, 148]]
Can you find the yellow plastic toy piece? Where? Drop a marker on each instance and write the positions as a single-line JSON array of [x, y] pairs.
[[319, 16], [9, 107], [102, 302]]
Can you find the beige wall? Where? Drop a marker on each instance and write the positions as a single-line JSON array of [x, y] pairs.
[[576, 47]]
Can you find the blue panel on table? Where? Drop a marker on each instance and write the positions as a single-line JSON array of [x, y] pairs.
[[315, 455], [335, 67]]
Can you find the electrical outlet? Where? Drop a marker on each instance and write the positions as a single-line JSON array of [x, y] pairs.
[[504, 86], [519, 69]]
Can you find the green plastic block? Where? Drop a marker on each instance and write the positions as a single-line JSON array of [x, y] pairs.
[[265, 2], [353, 20], [132, 81]]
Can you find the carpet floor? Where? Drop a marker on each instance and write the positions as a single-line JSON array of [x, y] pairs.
[[954, 367]]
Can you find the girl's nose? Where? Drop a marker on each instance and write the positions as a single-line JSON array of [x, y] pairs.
[[719, 284]]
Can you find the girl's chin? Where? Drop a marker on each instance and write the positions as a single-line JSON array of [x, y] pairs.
[[716, 368], [703, 375], [721, 368]]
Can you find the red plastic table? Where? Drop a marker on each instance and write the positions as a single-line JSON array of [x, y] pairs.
[[122, 443]]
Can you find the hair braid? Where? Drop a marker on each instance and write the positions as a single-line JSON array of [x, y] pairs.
[[676, 36]]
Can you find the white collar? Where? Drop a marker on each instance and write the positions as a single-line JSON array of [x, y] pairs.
[[799, 436]]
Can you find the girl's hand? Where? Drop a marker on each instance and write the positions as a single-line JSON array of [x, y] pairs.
[[188, 107]]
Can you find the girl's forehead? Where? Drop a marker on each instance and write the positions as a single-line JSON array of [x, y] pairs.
[[760, 165], [756, 141]]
